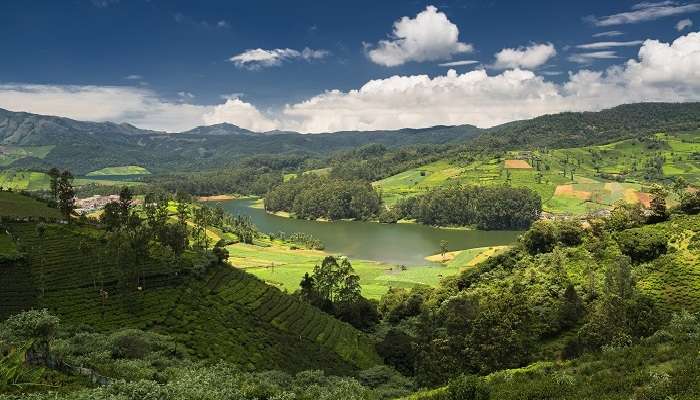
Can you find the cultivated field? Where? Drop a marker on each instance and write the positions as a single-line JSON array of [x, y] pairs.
[[570, 181]]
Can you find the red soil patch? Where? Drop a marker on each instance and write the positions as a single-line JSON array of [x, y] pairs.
[[568, 191], [517, 164], [644, 199]]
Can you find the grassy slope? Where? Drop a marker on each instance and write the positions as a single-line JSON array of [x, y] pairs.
[[277, 264], [9, 154], [616, 158], [18, 205], [30, 180], [226, 313], [117, 171]]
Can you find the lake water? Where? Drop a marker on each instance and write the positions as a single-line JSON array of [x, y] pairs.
[[405, 244]]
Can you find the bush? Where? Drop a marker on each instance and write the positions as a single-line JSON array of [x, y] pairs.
[[690, 203], [540, 238], [642, 245], [468, 387]]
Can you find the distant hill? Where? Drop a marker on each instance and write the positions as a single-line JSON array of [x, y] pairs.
[[88, 146]]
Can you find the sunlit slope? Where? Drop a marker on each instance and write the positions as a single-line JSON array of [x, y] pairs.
[[574, 180], [217, 313]]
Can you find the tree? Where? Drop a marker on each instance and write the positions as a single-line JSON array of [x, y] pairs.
[[38, 327], [443, 248], [66, 194], [657, 207], [540, 238], [54, 175]]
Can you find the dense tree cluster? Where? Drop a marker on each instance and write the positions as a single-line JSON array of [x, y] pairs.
[[243, 180], [485, 207], [335, 288], [312, 197]]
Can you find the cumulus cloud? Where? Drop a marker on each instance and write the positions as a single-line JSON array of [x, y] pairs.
[[243, 114], [529, 57], [259, 58], [608, 34], [645, 11], [140, 107], [430, 36], [607, 45], [683, 24], [660, 72]]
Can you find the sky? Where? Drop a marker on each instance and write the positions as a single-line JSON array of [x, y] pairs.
[[313, 66]]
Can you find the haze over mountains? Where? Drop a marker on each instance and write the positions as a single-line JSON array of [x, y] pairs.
[[85, 146]]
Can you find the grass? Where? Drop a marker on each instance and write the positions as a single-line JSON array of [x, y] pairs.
[[118, 171], [31, 180], [278, 265], [10, 154], [18, 205], [627, 157]]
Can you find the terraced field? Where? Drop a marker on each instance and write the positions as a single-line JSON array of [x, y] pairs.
[[226, 314], [568, 180]]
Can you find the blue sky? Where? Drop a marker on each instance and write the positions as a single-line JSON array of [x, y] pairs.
[[133, 59]]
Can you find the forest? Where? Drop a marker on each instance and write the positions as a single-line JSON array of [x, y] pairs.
[[312, 197], [484, 207]]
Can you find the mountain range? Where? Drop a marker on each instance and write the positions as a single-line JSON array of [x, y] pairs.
[[87, 146]]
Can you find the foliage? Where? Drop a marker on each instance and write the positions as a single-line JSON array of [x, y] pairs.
[[497, 207], [313, 197]]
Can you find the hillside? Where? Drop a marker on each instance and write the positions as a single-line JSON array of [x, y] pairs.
[[215, 311], [571, 180], [37, 142]]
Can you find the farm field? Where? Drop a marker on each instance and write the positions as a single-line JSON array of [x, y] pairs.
[[31, 180], [118, 171], [569, 181], [278, 265], [9, 154]]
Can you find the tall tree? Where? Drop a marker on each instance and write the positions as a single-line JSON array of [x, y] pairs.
[[66, 194]]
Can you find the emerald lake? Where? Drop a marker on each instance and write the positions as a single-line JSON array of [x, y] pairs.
[[406, 244]]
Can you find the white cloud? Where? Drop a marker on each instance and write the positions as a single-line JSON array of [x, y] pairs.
[[661, 72], [608, 34], [646, 11], [430, 36], [607, 45], [458, 63], [186, 95], [102, 103], [588, 58], [529, 57], [243, 114], [133, 77], [259, 58], [683, 24]]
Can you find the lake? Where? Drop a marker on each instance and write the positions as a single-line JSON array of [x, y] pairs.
[[405, 244]]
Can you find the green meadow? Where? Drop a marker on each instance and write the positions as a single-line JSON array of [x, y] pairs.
[[9, 154], [31, 180], [280, 265], [120, 171]]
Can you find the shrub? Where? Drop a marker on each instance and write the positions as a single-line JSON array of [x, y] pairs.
[[641, 245], [468, 387], [540, 238]]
